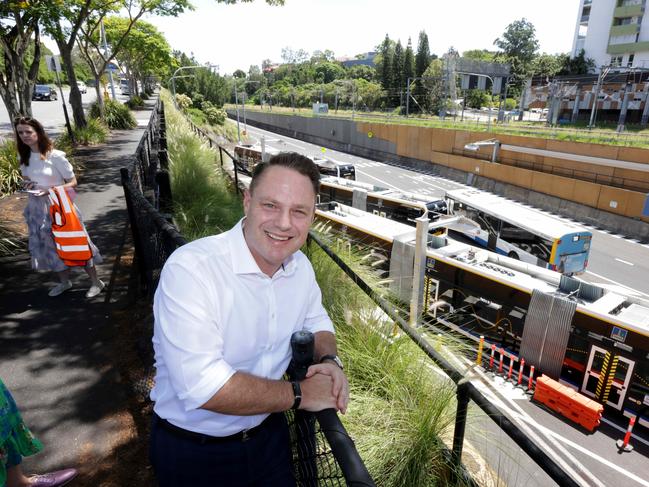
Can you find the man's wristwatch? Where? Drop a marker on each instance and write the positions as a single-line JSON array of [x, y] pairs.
[[297, 392], [334, 358]]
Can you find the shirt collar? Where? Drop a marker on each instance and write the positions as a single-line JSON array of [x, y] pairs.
[[242, 260]]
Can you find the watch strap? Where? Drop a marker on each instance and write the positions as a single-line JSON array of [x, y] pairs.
[[297, 392], [334, 358]]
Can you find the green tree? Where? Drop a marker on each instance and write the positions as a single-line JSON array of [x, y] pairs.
[[358, 71], [547, 65], [19, 31], [477, 99], [479, 55], [422, 62], [423, 58], [384, 66], [398, 64], [326, 72], [408, 63], [580, 64], [519, 46]]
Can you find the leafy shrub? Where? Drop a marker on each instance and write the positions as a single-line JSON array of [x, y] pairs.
[[144, 95], [9, 171], [95, 132], [116, 116], [215, 116], [183, 101], [134, 102], [197, 99]]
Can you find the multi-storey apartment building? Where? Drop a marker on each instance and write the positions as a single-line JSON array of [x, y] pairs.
[[613, 32]]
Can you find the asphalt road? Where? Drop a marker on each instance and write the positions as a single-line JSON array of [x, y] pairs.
[[615, 260], [50, 113]]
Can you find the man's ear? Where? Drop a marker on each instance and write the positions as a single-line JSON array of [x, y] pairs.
[[246, 200]]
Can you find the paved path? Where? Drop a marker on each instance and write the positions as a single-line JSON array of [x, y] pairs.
[[57, 354]]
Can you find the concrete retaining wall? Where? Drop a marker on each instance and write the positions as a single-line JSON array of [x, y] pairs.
[[426, 149]]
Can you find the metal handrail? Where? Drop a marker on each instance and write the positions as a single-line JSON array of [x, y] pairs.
[[465, 390]]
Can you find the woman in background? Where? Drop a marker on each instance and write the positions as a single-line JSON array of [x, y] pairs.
[[42, 168]]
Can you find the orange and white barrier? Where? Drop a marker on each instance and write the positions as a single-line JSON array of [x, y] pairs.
[[623, 445], [568, 402]]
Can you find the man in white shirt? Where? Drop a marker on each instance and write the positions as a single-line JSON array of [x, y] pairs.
[[225, 309]]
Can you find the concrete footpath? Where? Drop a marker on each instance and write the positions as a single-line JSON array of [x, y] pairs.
[[57, 355]]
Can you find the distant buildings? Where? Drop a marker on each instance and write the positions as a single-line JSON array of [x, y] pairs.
[[613, 32], [366, 59]]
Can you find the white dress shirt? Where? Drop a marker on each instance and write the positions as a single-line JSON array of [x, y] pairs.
[[216, 313]]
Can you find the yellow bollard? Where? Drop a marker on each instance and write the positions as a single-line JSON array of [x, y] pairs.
[[480, 347]]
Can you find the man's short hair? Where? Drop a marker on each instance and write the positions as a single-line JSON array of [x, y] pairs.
[[290, 160]]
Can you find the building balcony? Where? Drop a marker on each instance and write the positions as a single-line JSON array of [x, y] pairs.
[[628, 11], [624, 30], [627, 47]]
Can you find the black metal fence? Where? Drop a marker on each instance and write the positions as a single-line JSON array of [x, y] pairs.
[[324, 455]]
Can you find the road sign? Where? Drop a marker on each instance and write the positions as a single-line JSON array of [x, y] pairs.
[[53, 63]]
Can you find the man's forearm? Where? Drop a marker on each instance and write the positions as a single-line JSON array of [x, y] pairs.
[[325, 344], [244, 395]]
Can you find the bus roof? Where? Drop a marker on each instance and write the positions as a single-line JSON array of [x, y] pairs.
[[533, 221]]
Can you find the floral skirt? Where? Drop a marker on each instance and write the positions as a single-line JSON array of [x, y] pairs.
[[41, 241], [16, 441]]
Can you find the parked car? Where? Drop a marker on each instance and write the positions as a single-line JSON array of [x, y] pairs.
[[124, 86], [44, 92], [82, 87]]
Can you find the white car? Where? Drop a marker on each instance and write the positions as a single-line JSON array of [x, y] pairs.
[[82, 87]]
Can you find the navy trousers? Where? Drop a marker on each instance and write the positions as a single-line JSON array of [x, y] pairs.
[[262, 460]]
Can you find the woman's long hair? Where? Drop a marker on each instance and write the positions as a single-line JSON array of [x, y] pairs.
[[44, 143]]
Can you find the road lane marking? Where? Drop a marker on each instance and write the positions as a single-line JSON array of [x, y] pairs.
[[624, 262], [617, 283]]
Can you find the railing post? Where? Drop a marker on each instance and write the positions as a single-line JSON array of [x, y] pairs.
[[460, 425], [220, 154], [163, 158], [165, 202]]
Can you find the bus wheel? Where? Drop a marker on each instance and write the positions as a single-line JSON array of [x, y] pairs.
[[513, 255]]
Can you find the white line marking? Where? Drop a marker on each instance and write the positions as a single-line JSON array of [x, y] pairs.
[[634, 437], [617, 283], [388, 185], [624, 262]]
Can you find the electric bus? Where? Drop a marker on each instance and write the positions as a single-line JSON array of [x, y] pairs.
[[523, 233]]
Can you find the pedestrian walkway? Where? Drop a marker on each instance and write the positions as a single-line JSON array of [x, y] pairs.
[[57, 355]]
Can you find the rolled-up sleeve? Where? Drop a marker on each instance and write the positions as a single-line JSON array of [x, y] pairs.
[[187, 338]]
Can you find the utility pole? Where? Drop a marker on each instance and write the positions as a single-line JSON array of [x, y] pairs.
[[408, 97], [236, 103], [600, 79], [110, 71]]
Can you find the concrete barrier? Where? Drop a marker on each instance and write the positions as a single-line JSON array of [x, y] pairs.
[[424, 149]]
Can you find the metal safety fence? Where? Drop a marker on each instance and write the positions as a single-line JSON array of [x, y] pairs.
[[323, 454]]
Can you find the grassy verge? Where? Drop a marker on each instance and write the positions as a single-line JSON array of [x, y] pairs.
[[400, 409], [204, 202]]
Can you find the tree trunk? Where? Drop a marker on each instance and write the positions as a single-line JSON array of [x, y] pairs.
[[75, 94], [100, 96]]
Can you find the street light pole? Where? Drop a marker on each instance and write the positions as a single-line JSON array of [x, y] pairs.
[[173, 76]]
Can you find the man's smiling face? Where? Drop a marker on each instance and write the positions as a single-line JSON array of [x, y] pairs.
[[278, 216]]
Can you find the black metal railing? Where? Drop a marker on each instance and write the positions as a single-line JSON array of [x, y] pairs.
[[465, 391], [148, 199]]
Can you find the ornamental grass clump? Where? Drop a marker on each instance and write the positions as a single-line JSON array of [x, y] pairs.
[[203, 197], [10, 178], [400, 408]]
